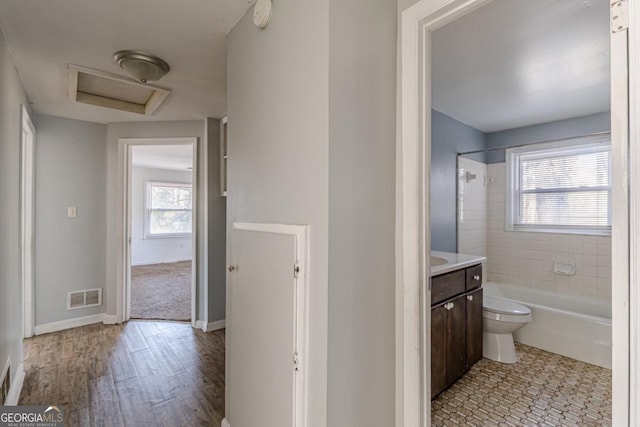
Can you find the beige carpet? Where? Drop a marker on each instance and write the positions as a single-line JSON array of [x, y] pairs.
[[161, 291]]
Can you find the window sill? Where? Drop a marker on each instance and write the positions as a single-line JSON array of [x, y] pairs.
[[167, 236], [559, 230]]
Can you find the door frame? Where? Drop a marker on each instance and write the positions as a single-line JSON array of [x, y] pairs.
[[413, 296], [301, 310], [123, 289], [27, 220]]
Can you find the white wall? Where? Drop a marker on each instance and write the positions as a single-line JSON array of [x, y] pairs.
[[278, 103], [12, 98], [526, 258], [472, 208], [69, 252], [155, 250]]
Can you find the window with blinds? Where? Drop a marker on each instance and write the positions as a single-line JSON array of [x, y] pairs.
[[563, 186]]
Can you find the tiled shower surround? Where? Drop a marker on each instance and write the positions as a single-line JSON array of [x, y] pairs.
[[526, 258]]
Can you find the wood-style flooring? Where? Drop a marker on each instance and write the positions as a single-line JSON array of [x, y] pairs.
[[141, 373]]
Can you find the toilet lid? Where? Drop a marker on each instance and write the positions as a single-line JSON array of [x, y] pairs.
[[502, 306]]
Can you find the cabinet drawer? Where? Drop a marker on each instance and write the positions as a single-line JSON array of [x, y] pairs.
[[474, 277], [447, 285]]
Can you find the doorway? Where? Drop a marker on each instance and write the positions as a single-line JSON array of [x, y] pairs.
[[160, 233], [413, 201], [27, 223]]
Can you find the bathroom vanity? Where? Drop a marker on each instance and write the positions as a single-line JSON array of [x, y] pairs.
[[456, 317]]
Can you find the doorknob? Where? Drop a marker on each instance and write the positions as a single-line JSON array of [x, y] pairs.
[[233, 268]]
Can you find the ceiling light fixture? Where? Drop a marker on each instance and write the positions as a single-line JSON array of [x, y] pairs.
[[143, 66]]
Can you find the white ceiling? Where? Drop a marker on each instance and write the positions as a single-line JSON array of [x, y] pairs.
[[172, 157], [45, 36], [516, 63]]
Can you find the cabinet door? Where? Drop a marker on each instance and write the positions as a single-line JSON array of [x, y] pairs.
[[456, 339], [438, 350], [474, 327]]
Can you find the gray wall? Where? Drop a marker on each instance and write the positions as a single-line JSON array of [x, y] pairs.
[[70, 252], [191, 128], [362, 144], [579, 126], [448, 138], [278, 103], [10, 287], [217, 213]]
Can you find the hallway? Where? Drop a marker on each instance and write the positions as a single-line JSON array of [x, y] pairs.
[[141, 373]]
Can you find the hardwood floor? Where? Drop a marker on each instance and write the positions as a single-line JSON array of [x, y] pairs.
[[142, 373]]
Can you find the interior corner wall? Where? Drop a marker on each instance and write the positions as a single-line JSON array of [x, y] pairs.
[[278, 102], [69, 252], [569, 128], [156, 250], [448, 138], [159, 129], [217, 227], [13, 97], [362, 145]]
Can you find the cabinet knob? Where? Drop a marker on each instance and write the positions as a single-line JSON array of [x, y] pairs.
[[476, 277], [232, 268], [470, 297]]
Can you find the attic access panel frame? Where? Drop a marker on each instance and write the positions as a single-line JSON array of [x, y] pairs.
[[157, 97]]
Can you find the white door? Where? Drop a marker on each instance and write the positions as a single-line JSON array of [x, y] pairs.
[[27, 196], [264, 330]]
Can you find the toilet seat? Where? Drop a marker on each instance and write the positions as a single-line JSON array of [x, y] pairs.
[[505, 310]]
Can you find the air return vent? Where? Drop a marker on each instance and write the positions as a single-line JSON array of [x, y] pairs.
[[83, 299], [113, 91], [5, 385]]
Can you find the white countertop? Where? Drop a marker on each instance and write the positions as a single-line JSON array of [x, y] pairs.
[[454, 262]]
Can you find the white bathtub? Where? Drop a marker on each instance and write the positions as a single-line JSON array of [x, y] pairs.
[[575, 327]]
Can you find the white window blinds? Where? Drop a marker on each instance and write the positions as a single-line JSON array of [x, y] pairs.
[[563, 186]]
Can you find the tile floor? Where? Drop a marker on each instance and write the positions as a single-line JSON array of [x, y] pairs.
[[542, 389]]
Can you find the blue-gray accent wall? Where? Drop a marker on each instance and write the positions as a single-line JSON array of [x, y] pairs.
[[569, 128], [448, 138]]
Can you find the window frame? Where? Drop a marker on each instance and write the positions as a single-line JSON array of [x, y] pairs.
[[581, 145], [147, 210]]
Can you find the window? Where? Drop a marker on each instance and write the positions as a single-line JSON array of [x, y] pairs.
[[168, 209], [562, 187]]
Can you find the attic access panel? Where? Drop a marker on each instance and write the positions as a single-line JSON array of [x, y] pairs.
[[108, 90]]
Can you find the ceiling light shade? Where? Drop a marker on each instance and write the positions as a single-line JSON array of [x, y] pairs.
[[143, 66]]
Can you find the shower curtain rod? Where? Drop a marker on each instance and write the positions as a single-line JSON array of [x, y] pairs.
[[531, 143]]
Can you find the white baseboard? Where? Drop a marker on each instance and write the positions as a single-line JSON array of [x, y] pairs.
[[214, 326], [47, 328], [225, 423], [158, 261], [110, 319], [16, 387], [211, 326]]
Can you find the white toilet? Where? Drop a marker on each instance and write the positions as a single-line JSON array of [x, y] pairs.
[[501, 318]]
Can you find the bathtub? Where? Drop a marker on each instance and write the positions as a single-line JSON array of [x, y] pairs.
[[576, 327]]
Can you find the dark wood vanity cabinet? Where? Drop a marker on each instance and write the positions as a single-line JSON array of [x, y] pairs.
[[456, 326]]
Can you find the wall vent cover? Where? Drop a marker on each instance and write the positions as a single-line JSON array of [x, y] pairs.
[[113, 91], [5, 386], [85, 298]]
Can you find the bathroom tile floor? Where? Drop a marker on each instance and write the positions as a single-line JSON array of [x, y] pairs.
[[542, 389]]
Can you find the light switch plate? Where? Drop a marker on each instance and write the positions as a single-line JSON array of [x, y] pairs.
[[72, 212]]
